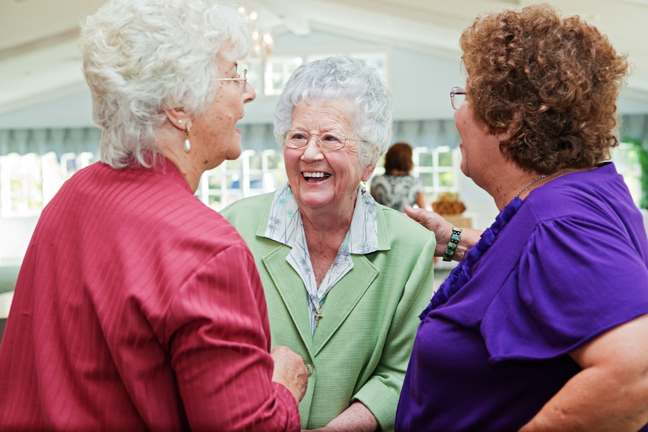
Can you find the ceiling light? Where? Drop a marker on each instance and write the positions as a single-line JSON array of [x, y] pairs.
[[262, 42]]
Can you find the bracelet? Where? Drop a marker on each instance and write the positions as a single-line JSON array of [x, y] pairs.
[[455, 238]]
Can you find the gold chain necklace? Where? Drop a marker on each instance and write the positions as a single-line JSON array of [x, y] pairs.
[[530, 184], [318, 314]]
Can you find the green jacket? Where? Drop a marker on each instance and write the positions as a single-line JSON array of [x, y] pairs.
[[362, 346]]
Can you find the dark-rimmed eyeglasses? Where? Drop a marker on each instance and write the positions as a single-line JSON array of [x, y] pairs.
[[330, 141], [238, 79], [457, 96]]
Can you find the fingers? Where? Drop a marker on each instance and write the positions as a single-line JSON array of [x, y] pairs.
[[290, 371], [416, 214], [427, 218]]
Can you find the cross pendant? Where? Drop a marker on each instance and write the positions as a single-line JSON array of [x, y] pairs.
[[318, 317]]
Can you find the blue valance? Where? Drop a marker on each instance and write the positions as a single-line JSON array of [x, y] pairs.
[[259, 137]]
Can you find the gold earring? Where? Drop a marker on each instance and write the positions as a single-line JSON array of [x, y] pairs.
[[364, 187]]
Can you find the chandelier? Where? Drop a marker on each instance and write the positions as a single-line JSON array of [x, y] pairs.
[[262, 42]]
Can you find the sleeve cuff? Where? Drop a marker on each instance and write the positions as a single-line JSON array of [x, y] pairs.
[[293, 421], [381, 400]]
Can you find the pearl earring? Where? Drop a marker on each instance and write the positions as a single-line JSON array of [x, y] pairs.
[[187, 144]]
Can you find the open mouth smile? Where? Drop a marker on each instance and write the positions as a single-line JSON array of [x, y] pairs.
[[315, 176]]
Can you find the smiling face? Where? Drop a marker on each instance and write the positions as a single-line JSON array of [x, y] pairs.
[[325, 180], [214, 136]]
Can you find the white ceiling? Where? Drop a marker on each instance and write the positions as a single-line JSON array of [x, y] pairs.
[[39, 61]]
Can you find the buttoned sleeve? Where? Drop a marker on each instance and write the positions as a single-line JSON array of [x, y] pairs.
[[219, 340], [381, 392]]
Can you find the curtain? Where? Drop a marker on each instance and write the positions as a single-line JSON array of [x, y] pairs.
[[41, 141], [257, 137], [427, 133]]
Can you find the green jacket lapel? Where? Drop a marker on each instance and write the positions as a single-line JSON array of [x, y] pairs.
[[343, 298], [291, 289]]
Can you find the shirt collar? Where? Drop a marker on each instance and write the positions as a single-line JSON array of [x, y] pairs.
[[285, 224]]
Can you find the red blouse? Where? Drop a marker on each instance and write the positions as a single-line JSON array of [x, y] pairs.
[[138, 307]]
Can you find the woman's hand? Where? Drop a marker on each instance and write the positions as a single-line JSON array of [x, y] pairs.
[[290, 371], [610, 393], [443, 230]]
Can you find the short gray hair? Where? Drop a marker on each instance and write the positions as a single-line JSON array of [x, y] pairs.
[[140, 56], [347, 78]]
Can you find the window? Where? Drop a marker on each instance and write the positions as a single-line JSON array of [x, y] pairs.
[[277, 71], [251, 174], [273, 72], [28, 182], [21, 185], [437, 170]]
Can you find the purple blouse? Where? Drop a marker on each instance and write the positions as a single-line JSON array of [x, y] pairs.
[[554, 272]]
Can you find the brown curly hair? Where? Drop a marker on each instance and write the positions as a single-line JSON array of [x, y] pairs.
[[399, 158], [554, 80]]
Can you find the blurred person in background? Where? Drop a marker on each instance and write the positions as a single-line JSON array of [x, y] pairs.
[[397, 188]]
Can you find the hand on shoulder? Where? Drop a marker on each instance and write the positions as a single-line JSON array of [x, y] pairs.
[[442, 229]]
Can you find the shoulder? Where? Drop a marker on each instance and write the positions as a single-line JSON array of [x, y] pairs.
[[248, 209], [400, 229], [248, 214], [414, 180], [378, 180], [594, 194]]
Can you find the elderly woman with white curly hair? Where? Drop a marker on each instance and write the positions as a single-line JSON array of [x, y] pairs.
[[138, 307], [345, 278]]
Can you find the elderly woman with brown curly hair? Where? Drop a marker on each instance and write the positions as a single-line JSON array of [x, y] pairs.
[[543, 324]]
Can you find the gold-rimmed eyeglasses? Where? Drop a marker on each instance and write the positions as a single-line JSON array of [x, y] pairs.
[[238, 79], [331, 141], [457, 96]]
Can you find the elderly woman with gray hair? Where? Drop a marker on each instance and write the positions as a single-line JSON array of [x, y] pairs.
[[138, 307], [344, 277]]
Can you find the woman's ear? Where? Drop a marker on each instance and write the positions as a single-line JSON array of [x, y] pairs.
[[177, 117], [366, 174], [514, 126], [504, 136]]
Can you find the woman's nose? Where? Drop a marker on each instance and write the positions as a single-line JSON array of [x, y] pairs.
[[312, 151], [249, 94]]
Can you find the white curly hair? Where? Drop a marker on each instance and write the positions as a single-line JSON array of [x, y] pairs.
[[140, 56], [342, 78]]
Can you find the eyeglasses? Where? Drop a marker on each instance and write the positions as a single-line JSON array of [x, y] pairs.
[[457, 96], [238, 79], [328, 141]]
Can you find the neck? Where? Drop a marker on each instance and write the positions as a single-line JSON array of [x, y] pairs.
[[397, 172], [526, 182], [328, 226], [169, 142], [505, 184], [324, 236]]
